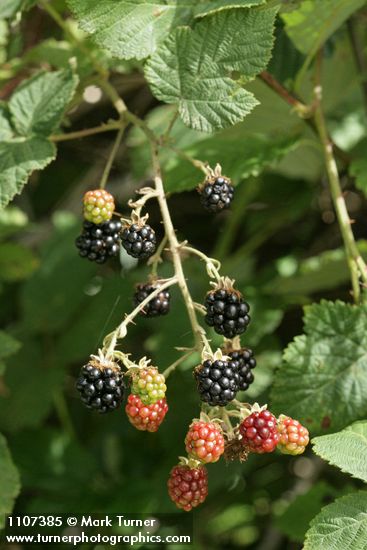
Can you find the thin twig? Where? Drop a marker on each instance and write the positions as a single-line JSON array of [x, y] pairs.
[[120, 332], [110, 126], [111, 158], [180, 360], [352, 253], [199, 333]]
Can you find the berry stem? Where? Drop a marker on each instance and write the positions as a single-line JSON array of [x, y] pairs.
[[120, 332], [199, 333], [195, 162], [157, 257], [172, 367], [112, 156], [212, 265], [356, 263], [108, 127]]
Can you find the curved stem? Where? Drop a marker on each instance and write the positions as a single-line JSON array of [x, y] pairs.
[[120, 332], [199, 333], [180, 360], [157, 257], [355, 260], [111, 157], [212, 265], [195, 162]]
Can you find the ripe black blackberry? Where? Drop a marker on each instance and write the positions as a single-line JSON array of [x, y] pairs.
[[216, 193], [158, 306], [101, 386], [246, 362], [227, 312], [217, 381], [99, 242], [139, 241]]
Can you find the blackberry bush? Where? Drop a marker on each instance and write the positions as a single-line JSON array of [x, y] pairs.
[[100, 242]]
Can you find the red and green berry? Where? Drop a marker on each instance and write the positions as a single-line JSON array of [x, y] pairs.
[[145, 417], [204, 441], [293, 437]]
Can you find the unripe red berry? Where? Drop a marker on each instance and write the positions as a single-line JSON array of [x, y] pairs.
[[204, 441], [294, 437], [259, 432], [145, 417], [188, 487]]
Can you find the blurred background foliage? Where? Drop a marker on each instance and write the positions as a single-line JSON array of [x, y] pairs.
[[280, 241]]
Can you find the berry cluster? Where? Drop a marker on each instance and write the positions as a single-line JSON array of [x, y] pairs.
[[158, 306], [227, 312], [216, 194], [99, 242], [139, 241], [101, 386], [220, 376]]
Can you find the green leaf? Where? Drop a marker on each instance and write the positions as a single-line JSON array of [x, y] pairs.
[[131, 29], [64, 300], [341, 525], [358, 169], [240, 158], [9, 481], [28, 404], [295, 520], [208, 8], [12, 220], [18, 159], [346, 449], [38, 104], [8, 8], [17, 262], [323, 382], [326, 271], [6, 131], [8, 345], [193, 67], [314, 22]]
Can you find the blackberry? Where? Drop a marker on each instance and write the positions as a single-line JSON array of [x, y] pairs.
[[217, 382], [139, 241], [99, 242], [216, 194], [246, 362], [227, 312], [101, 386], [158, 306]]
